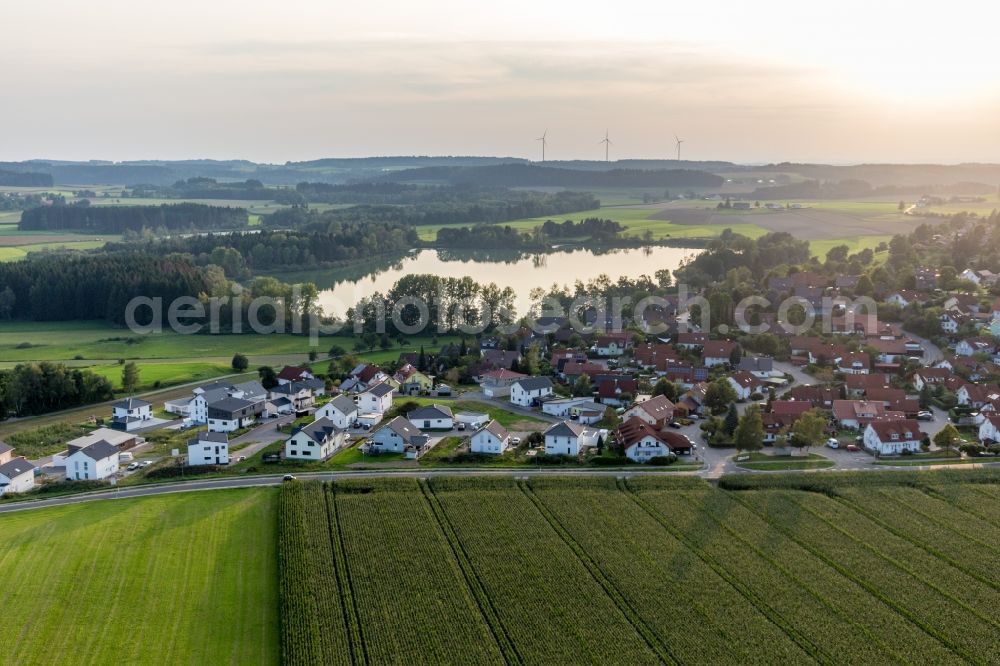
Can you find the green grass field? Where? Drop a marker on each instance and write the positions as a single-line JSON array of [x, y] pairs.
[[189, 578], [164, 374], [648, 570]]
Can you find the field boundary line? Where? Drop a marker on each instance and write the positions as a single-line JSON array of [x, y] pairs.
[[798, 581], [752, 597], [969, 511], [352, 620], [594, 569], [489, 612], [895, 562], [874, 591]]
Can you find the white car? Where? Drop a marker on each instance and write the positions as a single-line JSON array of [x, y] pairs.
[[132, 467], [515, 440], [832, 443]]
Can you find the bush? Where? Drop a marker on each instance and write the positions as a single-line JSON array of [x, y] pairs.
[[663, 461], [610, 461], [175, 471]]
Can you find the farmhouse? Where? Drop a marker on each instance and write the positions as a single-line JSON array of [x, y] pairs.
[[376, 399], [892, 437], [341, 411], [567, 438], [93, 462], [398, 435], [208, 448], [317, 441], [526, 392], [16, 476], [492, 438], [432, 417], [130, 413]]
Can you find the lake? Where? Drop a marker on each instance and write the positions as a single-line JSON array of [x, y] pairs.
[[341, 288]]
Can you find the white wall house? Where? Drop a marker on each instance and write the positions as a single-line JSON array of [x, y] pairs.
[[608, 347], [92, 463], [492, 438], [989, 430], [432, 417], [892, 437], [567, 438], [317, 441], [525, 391], [231, 414], [131, 413], [398, 435], [208, 448], [341, 411], [563, 407], [646, 447], [376, 399], [16, 476]]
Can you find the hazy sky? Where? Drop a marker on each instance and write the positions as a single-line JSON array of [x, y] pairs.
[[760, 81]]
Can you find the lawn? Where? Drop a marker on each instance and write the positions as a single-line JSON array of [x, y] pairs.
[[186, 578], [880, 569], [764, 462], [155, 375], [508, 419]]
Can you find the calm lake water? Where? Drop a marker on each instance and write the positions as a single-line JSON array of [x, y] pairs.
[[342, 288]]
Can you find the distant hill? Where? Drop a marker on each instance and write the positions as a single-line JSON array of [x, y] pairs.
[[25, 179], [528, 175]]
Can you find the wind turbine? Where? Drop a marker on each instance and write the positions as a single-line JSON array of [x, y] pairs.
[[542, 139], [607, 143], [679, 142]]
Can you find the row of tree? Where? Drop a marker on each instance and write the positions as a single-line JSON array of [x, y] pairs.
[[38, 388], [117, 219]]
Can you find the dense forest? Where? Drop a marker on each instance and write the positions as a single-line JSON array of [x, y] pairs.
[[284, 249], [528, 175], [38, 388], [92, 286], [117, 219], [24, 179], [495, 236]]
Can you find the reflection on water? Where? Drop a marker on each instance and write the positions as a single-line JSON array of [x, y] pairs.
[[340, 288]]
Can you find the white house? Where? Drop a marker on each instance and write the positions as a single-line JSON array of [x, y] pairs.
[[563, 407], [377, 398], [131, 413], [92, 463], [231, 414], [497, 383], [291, 374], [473, 420], [525, 391], [316, 441], [989, 430], [491, 438], [567, 438], [209, 448], [744, 384], [399, 436], [892, 437], [717, 352], [854, 363], [341, 411], [609, 346], [643, 442], [432, 417], [658, 411], [970, 275], [16, 476]]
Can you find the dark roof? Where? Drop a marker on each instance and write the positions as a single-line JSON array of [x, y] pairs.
[[343, 404], [380, 389], [217, 437], [431, 412], [130, 403], [534, 383], [100, 450], [319, 430], [229, 406], [5, 447], [565, 429], [17, 467], [406, 430]]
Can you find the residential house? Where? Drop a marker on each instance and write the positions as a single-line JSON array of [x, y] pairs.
[[745, 385], [16, 476], [693, 399], [892, 437], [782, 416], [291, 374], [497, 383], [609, 346], [121, 440], [654, 356], [854, 363], [989, 430], [973, 346], [208, 448], [976, 395], [616, 390], [530, 390], [341, 411], [931, 376], [760, 367], [563, 407], [300, 393], [130, 413], [316, 441], [821, 397], [642, 442], [568, 438], [411, 381], [857, 386], [472, 420], [94, 462], [365, 375], [231, 414], [857, 414], [657, 411], [683, 373], [377, 399], [432, 417], [6, 453], [501, 358], [571, 370], [492, 438], [399, 436], [717, 352], [904, 297], [691, 341], [952, 321]]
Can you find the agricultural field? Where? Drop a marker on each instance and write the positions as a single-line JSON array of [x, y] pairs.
[[852, 569], [189, 578]]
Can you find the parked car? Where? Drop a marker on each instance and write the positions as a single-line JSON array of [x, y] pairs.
[[515, 440], [288, 477], [132, 466], [146, 463], [853, 448], [675, 424], [925, 415], [460, 426], [240, 458], [833, 443]]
